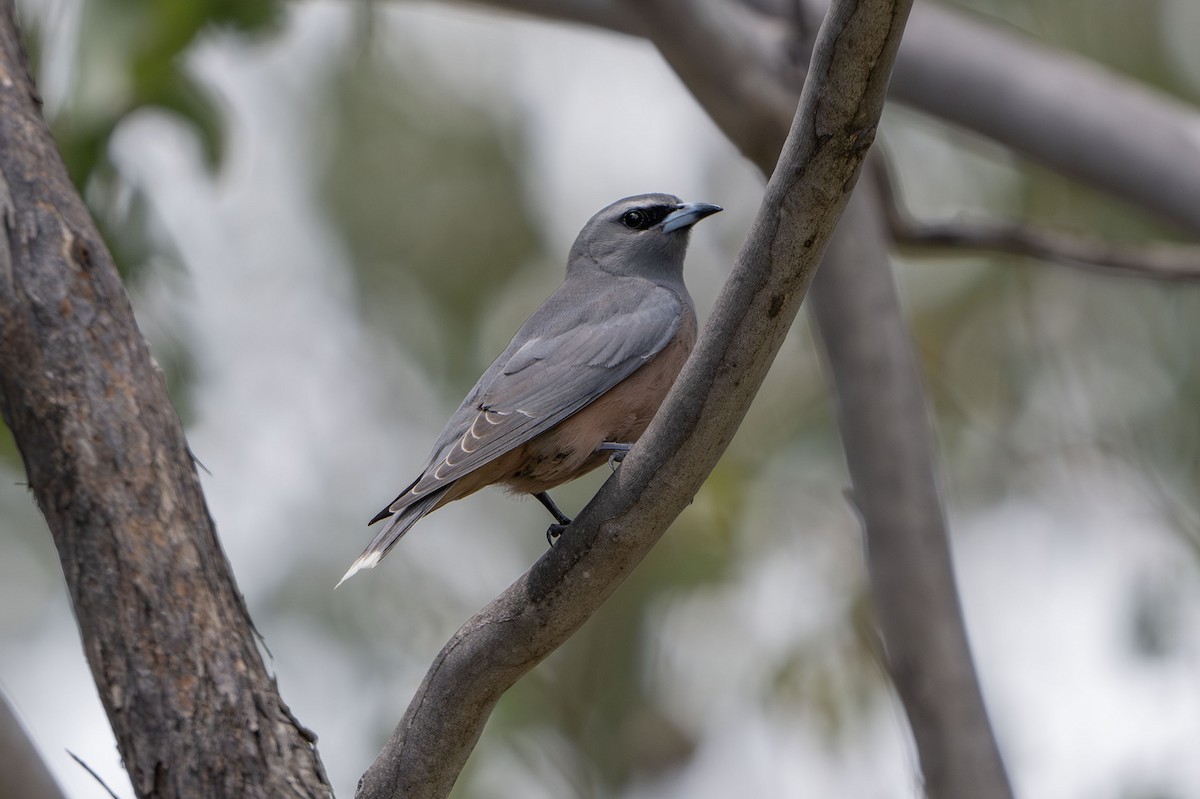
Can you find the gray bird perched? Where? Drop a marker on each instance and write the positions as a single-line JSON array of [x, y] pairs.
[[580, 380]]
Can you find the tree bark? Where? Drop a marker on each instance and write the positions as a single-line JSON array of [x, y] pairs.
[[164, 628], [892, 469], [833, 128]]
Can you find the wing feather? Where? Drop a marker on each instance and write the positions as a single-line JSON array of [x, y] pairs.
[[547, 379]]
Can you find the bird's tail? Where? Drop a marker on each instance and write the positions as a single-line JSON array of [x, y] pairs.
[[397, 525]]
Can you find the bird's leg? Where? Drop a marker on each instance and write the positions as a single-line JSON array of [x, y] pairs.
[[618, 452], [554, 530]]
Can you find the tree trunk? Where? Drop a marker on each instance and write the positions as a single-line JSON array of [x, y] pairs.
[[166, 634]]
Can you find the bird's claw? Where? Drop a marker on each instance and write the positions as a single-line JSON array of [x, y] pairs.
[[554, 531], [619, 451]]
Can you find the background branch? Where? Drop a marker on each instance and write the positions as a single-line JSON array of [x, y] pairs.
[[1060, 110], [884, 422], [25, 775], [858, 315], [733, 58], [1158, 260], [833, 128], [170, 645]]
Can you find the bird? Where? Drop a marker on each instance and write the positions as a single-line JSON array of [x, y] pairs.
[[580, 380]]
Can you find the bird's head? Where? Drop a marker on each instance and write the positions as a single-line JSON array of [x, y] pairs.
[[642, 236]]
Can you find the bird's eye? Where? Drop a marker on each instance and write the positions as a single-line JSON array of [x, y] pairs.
[[635, 220]]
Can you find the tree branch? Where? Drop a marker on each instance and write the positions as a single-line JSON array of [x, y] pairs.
[[894, 467], [833, 128], [168, 639], [1157, 260], [884, 422], [25, 775], [1154, 260], [1058, 109], [732, 58], [598, 13]]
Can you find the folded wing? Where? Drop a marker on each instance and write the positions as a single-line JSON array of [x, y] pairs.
[[547, 374], [550, 378]]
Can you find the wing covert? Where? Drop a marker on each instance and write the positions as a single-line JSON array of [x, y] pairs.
[[550, 377]]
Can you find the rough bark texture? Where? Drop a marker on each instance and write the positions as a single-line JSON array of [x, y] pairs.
[[882, 409], [833, 129], [166, 634]]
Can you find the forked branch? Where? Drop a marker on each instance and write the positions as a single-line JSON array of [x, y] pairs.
[[832, 130]]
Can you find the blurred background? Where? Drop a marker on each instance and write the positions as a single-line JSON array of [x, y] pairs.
[[331, 216]]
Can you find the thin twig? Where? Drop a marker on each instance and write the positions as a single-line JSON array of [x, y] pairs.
[[1059, 109], [95, 776], [1155, 260]]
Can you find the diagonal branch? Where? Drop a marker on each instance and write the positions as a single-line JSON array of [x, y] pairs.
[[1061, 110], [1154, 260], [166, 634], [884, 422], [598, 13], [732, 58], [1157, 260], [833, 128], [892, 469], [25, 775]]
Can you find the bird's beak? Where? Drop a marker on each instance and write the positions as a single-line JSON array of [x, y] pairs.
[[687, 215]]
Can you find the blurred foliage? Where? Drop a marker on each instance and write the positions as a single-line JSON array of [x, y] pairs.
[[1022, 324], [426, 192], [130, 55], [424, 188], [1126, 36]]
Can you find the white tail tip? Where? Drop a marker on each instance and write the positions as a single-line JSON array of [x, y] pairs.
[[365, 561]]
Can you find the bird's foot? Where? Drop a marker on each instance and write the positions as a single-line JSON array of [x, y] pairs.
[[619, 451], [554, 531]]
